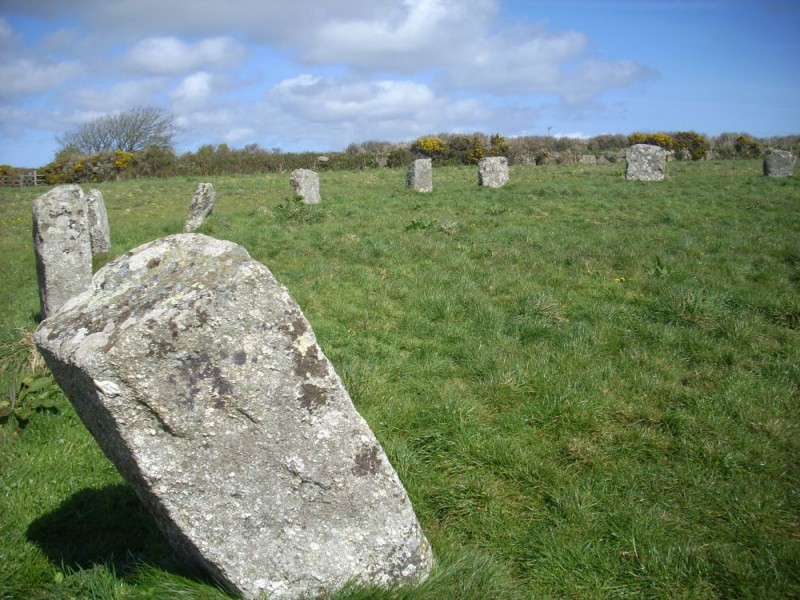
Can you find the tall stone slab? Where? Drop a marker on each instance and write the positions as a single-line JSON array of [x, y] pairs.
[[645, 162], [779, 163], [99, 231], [419, 176], [493, 171], [203, 382], [200, 207], [305, 184], [62, 246]]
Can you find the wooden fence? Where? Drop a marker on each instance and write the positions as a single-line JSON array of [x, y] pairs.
[[22, 179]]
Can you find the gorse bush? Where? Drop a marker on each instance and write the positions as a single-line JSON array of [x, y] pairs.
[[430, 147], [498, 146], [747, 147], [662, 140], [694, 143]]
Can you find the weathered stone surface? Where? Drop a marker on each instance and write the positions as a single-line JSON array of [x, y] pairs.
[[588, 159], [200, 207], [779, 163], [305, 184], [493, 171], [62, 246], [99, 231], [645, 163], [419, 176], [203, 382]]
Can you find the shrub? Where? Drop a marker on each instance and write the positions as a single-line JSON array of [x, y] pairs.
[[475, 152], [747, 147], [429, 147], [400, 157], [498, 146], [607, 142], [693, 142], [662, 140], [123, 160]]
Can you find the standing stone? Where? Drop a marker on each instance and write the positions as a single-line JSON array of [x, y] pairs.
[[645, 163], [62, 246], [588, 159], [493, 171], [779, 163], [305, 184], [203, 382], [200, 207], [419, 176], [99, 232]]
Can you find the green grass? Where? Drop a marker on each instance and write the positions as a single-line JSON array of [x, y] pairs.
[[588, 386]]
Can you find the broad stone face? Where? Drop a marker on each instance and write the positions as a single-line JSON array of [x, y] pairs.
[[62, 246], [203, 382], [200, 207], [305, 184], [779, 163], [493, 171], [419, 176], [99, 231], [645, 163]]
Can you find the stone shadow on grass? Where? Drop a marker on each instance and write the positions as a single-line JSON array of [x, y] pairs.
[[107, 526]]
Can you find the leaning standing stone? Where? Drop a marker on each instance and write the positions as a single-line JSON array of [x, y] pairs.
[[419, 176], [493, 171], [99, 232], [305, 184], [779, 163], [645, 163], [203, 382], [200, 207], [62, 246]]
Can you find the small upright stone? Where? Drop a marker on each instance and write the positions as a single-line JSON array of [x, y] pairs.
[[493, 171], [305, 184], [419, 176], [99, 232], [62, 246], [588, 159], [200, 207], [645, 163], [779, 163], [202, 381]]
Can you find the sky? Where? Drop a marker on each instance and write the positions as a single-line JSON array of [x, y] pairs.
[[319, 75]]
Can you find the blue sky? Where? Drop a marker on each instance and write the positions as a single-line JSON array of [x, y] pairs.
[[318, 75]]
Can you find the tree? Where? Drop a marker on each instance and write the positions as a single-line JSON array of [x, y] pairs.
[[129, 131]]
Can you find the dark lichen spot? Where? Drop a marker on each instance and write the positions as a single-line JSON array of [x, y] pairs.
[[153, 263], [310, 363], [313, 397], [239, 358], [219, 404], [298, 328], [367, 462]]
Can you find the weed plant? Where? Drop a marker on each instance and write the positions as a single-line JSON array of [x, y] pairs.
[[588, 386]]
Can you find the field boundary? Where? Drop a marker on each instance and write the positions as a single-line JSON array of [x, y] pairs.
[[31, 178]]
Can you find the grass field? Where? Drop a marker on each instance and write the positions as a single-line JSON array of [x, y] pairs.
[[589, 387]]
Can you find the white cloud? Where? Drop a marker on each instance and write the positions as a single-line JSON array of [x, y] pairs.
[[172, 56], [194, 92], [595, 77], [8, 38], [424, 34], [29, 76], [120, 96], [321, 99]]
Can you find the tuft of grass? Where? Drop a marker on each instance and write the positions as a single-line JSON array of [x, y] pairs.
[[589, 388]]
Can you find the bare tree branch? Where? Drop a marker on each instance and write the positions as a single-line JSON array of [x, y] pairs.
[[131, 131]]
